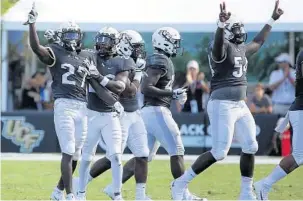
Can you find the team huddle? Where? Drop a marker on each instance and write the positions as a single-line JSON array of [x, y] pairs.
[[95, 92]]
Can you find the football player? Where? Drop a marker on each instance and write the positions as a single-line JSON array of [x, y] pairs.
[[103, 120], [226, 108], [295, 159], [158, 94], [130, 45], [65, 61]]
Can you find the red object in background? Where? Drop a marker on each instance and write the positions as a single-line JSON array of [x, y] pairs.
[[286, 143]]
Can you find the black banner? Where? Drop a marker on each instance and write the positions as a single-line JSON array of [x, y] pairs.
[[29, 131]]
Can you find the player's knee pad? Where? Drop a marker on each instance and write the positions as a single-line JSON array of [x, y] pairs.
[[219, 154], [251, 149], [116, 159], [298, 156]]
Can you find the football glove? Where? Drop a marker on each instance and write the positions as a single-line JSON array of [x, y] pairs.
[[180, 95], [92, 68], [140, 65], [32, 16], [119, 109]]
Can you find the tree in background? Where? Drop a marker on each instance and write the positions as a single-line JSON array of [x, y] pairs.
[[7, 4]]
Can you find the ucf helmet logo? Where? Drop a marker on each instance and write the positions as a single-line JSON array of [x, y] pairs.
[[21, 133]]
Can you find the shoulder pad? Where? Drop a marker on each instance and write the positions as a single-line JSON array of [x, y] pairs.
[[157, 61], [55, 49]]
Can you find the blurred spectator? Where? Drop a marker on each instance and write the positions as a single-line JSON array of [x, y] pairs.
[[196, 88], [282, 83], [260, 102], [46, 92], [31, 99]]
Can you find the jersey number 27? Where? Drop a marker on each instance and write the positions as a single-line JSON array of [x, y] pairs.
[[71, 71]]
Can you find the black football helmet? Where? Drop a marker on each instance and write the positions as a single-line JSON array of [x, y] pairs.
[[234, 31], [106, 41], [70, 36]]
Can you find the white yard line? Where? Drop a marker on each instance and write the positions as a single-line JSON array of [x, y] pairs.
[[57, 157]]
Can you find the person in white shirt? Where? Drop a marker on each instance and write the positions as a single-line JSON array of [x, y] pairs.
[[282, 84]]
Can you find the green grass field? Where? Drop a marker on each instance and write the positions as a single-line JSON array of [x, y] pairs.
[[34, 180]]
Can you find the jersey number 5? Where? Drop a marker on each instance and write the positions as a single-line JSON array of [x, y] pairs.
[[239, 67], [71, 71]]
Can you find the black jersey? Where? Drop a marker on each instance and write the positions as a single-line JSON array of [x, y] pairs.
[[231, 71], [108, 68], [69, 76], [298, 103], [161, 61]]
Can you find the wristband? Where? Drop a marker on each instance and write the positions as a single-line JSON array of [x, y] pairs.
[[138, 76], [271, 22], [221, 24], [104, 82]]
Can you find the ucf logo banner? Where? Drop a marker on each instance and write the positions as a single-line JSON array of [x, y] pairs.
[[21, 133]]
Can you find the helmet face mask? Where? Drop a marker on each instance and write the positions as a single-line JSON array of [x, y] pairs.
[[238, 35], [138, 51], [71, 36], [105, 43], [234, 31]]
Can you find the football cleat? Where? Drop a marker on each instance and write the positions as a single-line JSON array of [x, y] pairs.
[[81, 196], [118, 197], [57, 194], [70, 196], [108, 190], [247, 196], [261, 190], [189, 196], [177, 190]]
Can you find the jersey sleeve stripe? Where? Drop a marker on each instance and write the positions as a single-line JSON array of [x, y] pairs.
[[52, 55], [218, 62]]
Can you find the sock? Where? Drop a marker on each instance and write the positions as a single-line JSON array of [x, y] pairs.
[[89, 178], [140, 191], [83, 174], [246, 184], [117, 171], [187, 176], [277, 174]]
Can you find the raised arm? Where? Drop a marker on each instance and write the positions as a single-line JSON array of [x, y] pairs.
[[149, 84], [258, 41], [218, 50], [42, 52]]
